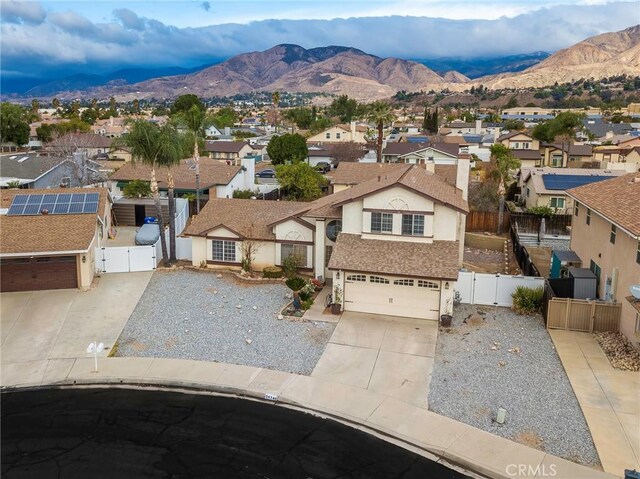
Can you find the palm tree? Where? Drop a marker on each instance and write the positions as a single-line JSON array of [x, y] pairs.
[[35, 106], [380, 113], [154, 146], [55, 103], [194, 119], [275, 97], [504, 164]]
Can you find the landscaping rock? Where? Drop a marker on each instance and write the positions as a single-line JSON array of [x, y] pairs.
[[619, 350]]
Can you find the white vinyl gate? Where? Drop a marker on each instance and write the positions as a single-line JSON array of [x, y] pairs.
[[126, 259], [492, 289]]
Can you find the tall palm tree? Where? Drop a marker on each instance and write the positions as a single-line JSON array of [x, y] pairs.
[[504, 164], [154, 146], [380, 113], [194, 119], [275, 97]]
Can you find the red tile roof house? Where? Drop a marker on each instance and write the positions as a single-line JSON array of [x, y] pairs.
[[391, 243]]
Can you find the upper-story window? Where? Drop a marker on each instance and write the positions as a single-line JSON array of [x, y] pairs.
[[381, 222], [328, 136], [413, 225], [588, 216], [337, 136], [612, 236], [526, 145], [638, 253], [576, 209], [557, 203]]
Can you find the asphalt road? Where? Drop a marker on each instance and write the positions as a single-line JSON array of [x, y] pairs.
[[125, 433]]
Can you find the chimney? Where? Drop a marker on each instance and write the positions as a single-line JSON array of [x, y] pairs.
[[478, 127], [462, 176], [353, 131], [609, 135], [430, 166]]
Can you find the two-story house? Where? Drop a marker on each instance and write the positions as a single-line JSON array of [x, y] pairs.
[[340, 134], [228, 150], [391, 244], [420, 153], [562, 156], [524, 147], [605, 234]]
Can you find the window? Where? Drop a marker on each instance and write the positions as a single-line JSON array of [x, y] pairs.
[[337, 136], [356, 277], [333, 229], [595, 269], [528, 192], [378, 279], [575, 208], [298, 250], [427, 284], [224, 250], [328, 136], [526, 145], [556, 161], [612, 236], [588, 216], [381, 222], [638, 253], [557, 203], [403, 282], [413, 225]]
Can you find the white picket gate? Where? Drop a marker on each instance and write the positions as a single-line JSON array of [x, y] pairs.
[[492, 289]]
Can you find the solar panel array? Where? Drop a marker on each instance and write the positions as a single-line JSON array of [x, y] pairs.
[[54, 204], [565, 182]]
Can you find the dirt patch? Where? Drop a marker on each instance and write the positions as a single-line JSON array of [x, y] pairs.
[[170, 343], [619, 350], [529, 438]]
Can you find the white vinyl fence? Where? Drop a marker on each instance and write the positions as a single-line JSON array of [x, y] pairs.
[[492, 289], [127, 259]]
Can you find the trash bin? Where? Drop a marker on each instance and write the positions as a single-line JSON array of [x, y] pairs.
[[150, 220]]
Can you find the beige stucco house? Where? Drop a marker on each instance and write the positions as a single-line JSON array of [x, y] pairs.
[[392, 244], [605, 234], [228, 150], [42, 247], [340, 134], [559, 156]]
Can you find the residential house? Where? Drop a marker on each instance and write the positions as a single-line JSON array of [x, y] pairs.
[[212, 132], [392, 244], [317, 154], [524, 147], [88, 143], [110, 128], [228, 150], [30, 170], [48, 237], [605, 234], [595, 127], [548, 186], [527, 114], [217, 179], [561, 156], [341, 133], [419, 153]]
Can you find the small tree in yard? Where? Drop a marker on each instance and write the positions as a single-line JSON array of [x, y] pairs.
[[287, 148], [503, 164], [300, 181], [347, 151], [248, 248]]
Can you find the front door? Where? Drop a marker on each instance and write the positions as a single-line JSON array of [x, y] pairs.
[[140, 213]]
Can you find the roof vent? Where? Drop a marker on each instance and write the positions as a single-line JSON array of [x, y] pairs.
[[44, 211]]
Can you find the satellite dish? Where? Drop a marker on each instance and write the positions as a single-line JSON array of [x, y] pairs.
[[635, 290]]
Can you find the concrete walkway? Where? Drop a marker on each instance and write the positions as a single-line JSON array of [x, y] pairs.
[[388, 355], [609, 398]]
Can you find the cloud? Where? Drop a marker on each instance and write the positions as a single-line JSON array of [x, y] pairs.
[[206, 6], [15, 11], [69, 42]]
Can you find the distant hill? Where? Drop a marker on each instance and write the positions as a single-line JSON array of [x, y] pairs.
[[483, 66]]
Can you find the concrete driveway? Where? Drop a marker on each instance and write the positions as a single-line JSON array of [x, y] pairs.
[[385, 354], [39, 326]]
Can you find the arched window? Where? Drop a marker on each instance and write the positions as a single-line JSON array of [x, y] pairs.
[[333, 229], [294, 236]]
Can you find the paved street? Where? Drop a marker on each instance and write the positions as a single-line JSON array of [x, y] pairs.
[[388, 355]]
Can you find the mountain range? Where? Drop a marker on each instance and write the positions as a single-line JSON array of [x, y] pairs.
[[345, 70]]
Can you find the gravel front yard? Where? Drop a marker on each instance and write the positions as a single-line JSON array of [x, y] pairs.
[[195, 315], [501, 359]]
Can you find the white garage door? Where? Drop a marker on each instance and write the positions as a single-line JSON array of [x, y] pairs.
[[392, 295]]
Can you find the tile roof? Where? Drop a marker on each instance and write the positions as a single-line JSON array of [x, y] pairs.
[[80, 140], [617, 199], [248, 218], [578, 150], [212, 172], [527, 154], [423, 260], [354, 173], [48, 233], [225, 146]]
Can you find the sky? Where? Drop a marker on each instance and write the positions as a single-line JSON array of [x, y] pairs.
[[98, 36]]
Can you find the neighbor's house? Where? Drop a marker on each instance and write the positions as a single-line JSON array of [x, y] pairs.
[[318, 154], [548, 186], [524, 147], [605, 234], [560, 156], [420, 153], [30, 170], [228, 150], [87, 143], [392, 244], [48, 237], [217, 179], [340, 133]]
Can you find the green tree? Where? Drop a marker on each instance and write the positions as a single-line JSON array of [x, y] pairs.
[[513, 102], [514, 125], [184, 103], [155, 146], [193, 118], [89, 116], [380, 113], [223, 118], [275, 97], [299, 181], [287, 148], [45, 132], [55, 103], [504, 163], [35, 106], [344, 108], [14, 125], [560, 129]]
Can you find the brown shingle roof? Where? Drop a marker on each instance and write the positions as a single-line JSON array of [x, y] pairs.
[[248, 218], [402, 148], [527, 154], [48, 233], [617, 199], [424, 260], [354, 173], [225, 146], [81, 140], [212, 172]]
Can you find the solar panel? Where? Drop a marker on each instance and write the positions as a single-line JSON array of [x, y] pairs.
[[565, 182], [56, 204]]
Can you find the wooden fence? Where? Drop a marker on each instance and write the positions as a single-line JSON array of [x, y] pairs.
[[486, 221], [556, 225], [583, 315]]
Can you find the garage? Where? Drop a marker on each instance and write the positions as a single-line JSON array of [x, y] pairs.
[[37, 273], [392, 295]]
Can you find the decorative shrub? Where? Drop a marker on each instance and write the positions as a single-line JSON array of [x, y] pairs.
[[527, 300], [306, 304], [290, 265], [137, 189], [296, 283], [244, 194], [272, 272]]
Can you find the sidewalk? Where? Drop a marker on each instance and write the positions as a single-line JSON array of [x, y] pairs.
[[317, 310], [609, 398]]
